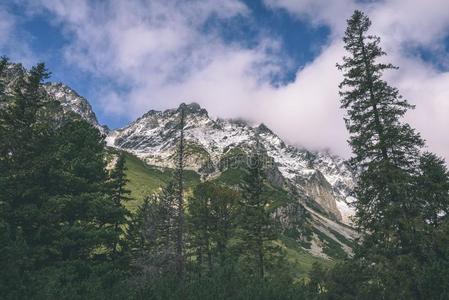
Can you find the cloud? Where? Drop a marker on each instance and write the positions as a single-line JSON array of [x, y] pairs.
[[160, 53], [13, 42], [403, 26], [332, 13]]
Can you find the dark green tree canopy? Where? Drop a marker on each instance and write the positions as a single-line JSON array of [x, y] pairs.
[[374, 108]]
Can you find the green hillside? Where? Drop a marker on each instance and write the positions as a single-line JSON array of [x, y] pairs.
[[145, 179]]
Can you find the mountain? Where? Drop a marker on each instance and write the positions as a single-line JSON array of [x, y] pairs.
[[317, 184], [71, 101], [211, 144], [311, 188]]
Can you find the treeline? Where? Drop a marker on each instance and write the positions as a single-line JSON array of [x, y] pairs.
[[66, 233]]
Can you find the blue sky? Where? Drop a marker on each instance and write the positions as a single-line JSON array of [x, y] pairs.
[[46, 39], [270, 61]]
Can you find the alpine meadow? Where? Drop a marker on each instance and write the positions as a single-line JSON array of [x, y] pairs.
[[297, 171]]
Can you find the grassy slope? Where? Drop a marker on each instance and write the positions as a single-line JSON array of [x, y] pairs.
[[300, 260], [145, 179]]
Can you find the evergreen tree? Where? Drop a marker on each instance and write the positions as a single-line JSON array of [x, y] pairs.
[[25, 141], [385, 148], [432, 189], [200, 221], [54, 200], [151, 237], [78, 191], [401, 194], [257, 226], [120, 195], [212, 213], [180, 259]]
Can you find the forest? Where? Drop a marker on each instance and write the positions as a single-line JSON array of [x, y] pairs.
[[67, 230]]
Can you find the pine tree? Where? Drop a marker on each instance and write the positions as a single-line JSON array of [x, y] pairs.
[[255, 221], [212, 213], [54, 199], [151, 238], [399, 191], [180, 194], [432, 189], [78, 189], [385, 148], [120, 195], [25, 141], [200, 227]]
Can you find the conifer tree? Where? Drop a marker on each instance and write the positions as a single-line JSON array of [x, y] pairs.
[[200, 221], [25, 141], [120, 195], [385, 148], [151, 237], [255, 220], [79, 190], [180, 194], [399, 191], [212, 213], [432, 189], [54, 198]]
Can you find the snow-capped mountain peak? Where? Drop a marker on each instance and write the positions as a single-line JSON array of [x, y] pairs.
[[153, 138], [71, 101]]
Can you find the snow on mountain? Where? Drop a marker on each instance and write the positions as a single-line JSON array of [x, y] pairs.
[[71, 101], [152, 137]]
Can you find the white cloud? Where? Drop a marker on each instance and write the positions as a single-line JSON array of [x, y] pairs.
[[319, 12], [12, 43], [402, 26], [158, 50]]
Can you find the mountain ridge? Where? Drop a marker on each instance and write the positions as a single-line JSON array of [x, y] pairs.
[[152, 138]]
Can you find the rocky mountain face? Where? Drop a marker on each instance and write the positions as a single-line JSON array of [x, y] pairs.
[[71, 101], [214, 145]]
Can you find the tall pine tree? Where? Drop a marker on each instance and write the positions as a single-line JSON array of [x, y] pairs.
[[54, 199], [399, 191], [258, 230], [152, 237], [120, 195], [180, 259], [386, 149]]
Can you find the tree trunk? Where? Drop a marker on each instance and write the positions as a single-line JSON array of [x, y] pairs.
[[180, 179]]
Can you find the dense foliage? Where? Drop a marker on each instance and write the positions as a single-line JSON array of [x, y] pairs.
[[58, 209]]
